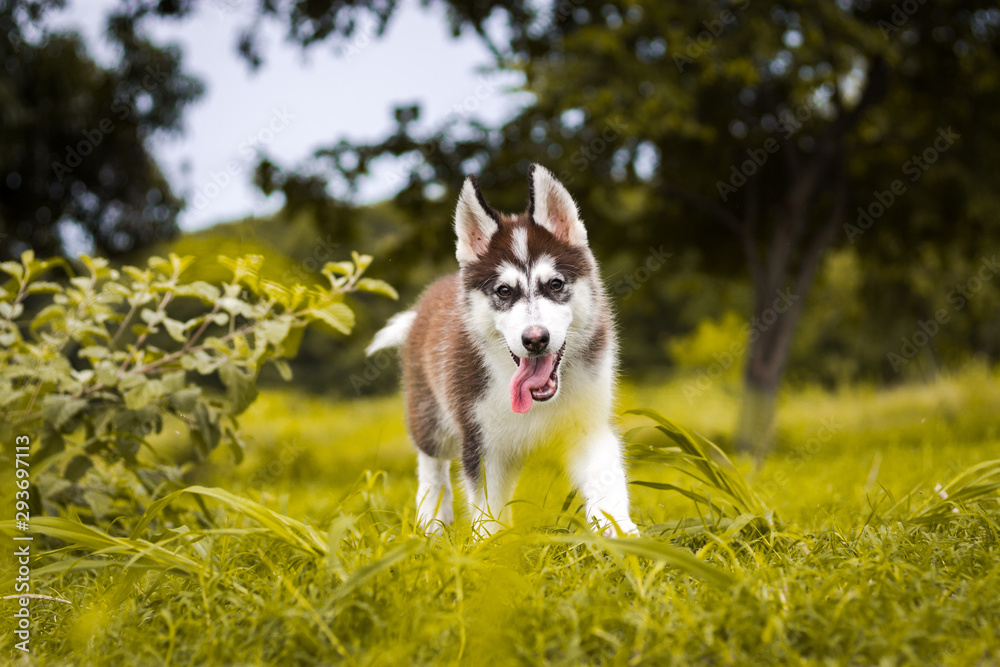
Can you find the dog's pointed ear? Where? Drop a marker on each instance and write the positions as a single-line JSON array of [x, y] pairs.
[[475, 223], [551, 206]]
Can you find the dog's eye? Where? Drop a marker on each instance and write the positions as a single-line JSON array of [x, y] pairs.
[[556, 284], [503, 291]]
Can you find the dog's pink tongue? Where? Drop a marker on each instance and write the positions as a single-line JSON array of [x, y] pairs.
[[532, 373]]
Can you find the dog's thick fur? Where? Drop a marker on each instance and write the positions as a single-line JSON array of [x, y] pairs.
[[478, 349]]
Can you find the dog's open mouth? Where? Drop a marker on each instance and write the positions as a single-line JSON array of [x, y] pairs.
[[536, 379]]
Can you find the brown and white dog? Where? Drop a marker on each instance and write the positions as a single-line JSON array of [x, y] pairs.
[[515, 351]]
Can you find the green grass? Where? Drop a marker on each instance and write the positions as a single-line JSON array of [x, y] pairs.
[[310, 554]]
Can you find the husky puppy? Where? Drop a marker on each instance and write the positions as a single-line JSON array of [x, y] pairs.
[[515, 351]]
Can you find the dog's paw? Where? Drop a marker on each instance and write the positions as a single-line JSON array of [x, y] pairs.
[[626, 528]]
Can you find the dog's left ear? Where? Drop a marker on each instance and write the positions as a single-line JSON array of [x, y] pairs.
[[551, 206], [475, 223]]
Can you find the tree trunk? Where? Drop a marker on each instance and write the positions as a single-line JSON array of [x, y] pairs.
[[770, 339], [756, 423], [776, 310]]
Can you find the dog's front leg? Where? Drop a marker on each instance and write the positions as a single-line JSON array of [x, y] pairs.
[[489, 482], [434, 497], [595, 466]]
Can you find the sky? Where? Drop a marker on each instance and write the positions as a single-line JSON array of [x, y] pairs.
[[300, 100]]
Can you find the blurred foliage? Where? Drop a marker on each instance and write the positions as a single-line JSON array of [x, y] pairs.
[[99, 363], [74, 136], [648, 112]]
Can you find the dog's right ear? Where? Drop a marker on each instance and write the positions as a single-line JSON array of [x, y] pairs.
[[475, 223]]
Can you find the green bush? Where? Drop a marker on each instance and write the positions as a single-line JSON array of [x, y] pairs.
[[99, 361]]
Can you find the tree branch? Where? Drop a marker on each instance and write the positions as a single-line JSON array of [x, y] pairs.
[[830, 143], [748, 235]]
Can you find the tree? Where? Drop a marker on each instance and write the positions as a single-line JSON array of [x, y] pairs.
[[800, 109], [790, 128], [752, 137], [74, 149]]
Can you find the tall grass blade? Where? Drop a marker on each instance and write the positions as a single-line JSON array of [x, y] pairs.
[[698, 457], [977, 483], [290, 530]]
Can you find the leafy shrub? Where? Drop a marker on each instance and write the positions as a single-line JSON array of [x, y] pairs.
[[105, 357]]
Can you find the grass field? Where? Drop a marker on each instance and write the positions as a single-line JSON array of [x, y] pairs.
[[863, 561]]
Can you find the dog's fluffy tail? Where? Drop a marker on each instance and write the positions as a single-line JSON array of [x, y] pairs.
[[394, 333]]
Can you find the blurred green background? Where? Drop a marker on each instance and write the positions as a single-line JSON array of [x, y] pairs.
[[780, 194]]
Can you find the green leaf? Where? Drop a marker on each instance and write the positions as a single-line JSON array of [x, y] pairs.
[[152, 318], [338, 268], [276, 291], [200, 361], [337, 315], [14, 269], [77, 467], [9, 311], [107, 373], [52, 440], [137, 424], [200, 290], [236, 445], [275, 331], [48, 315], [236, 306], [176, 329], [284, 370], [240, 388], [184, 400], [139, 391], [362, 261], [160, 264], [290, 346], [180, 264], [206, 433], [246, 269], [58, 410], [92, 352], [128, 448], [43, 287], [377, 286], [174, 381]]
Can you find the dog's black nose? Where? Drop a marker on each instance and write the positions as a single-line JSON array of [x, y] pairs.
[[535, 339]]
